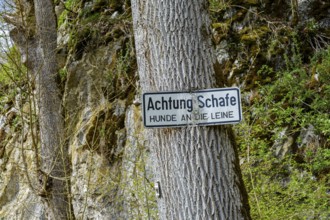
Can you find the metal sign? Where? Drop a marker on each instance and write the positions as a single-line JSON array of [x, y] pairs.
[[202, 107]]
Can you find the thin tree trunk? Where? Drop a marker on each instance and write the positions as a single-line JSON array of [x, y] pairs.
[[37, 43], [197, 167], [54, 159]]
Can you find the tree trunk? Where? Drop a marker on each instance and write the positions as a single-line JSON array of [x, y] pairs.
[[54, 162], [197, 167]]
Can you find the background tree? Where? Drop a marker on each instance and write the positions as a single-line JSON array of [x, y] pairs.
[[53, 155], [35, 33], [197, 167]]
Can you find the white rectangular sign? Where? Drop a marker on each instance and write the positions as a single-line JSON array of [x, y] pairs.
[[202, 107]]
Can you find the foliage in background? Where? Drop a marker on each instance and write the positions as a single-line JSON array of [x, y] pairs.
[[288, 176], [12, 76], [10, 67], [283, 69]]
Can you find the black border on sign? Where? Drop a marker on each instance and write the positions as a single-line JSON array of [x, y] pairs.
[[190, 124]]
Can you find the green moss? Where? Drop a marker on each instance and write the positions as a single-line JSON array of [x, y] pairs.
[[252, 35], [223, 26], [251, 2], [249, 38], [70, 7], [91, 19]]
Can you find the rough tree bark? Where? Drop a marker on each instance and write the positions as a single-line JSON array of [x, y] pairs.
[[53, 155], [197, 167], [35, 33]]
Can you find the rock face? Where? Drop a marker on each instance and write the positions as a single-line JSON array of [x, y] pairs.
[[106, 147], [109, 177], [18, 198]]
